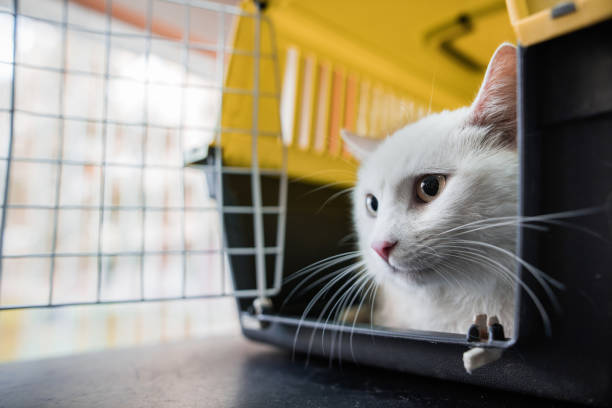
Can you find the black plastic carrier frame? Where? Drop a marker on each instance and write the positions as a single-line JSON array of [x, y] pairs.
[[565, 146]]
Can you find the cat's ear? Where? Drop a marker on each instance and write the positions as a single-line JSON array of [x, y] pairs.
[[359, 146], [495, 104]]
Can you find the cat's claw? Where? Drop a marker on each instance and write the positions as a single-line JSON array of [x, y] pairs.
[[481, 330]]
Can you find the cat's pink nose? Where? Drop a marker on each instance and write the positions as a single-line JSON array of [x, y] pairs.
[[383, 248]]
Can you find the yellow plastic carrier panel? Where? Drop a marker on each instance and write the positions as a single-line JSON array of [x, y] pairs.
[[539, 20], [369, 67]]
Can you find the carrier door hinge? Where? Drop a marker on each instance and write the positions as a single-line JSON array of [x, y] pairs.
[[250, 319]]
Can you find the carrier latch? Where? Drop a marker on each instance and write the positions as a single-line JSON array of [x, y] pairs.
[[250, 319]]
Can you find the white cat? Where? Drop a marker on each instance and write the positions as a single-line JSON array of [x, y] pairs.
[[422, 197]]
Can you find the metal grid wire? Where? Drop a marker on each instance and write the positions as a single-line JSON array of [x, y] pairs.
[[118, 213]]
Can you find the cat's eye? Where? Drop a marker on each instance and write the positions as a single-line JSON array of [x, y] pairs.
[[430, 186], [372, 204]]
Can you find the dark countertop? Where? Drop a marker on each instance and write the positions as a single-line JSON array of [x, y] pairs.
[[228, 372]]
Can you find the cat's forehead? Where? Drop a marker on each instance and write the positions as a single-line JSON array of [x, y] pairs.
[[428, 146]]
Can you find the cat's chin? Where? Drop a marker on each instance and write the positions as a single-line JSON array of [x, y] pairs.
[[410, 277], [407, 277]]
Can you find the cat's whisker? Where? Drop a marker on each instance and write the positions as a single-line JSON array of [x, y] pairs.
[[314, 265], [312, 285], [578, 228], [469, 255], [422, 246], [312, 175], [448, 264], [314, 270], [372, 303], [318, 295], [339, 275], [511, 277], [512, 223], [323, 187], [339, 306], [534, 271], [528, 290], [334, 196], [350, 281], [537, 218], [443, 276], [430, 250], [347, 238], [540, 276], [525, 224], [363, 276], [347, 305], [370, 291], [339, 301], [344, 310], [363, 297]]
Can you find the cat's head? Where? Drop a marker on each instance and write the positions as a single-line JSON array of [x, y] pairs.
[[418, 188]]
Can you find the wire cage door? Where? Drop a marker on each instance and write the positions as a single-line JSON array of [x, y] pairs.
[[110, 191]]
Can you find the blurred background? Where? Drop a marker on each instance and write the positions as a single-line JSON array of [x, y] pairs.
[[157, 218], [109, 95]]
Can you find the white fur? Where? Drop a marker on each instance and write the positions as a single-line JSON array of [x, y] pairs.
[[442, 292]]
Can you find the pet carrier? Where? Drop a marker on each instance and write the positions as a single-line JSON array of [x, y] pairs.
[[564, 144], [286, 77]]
